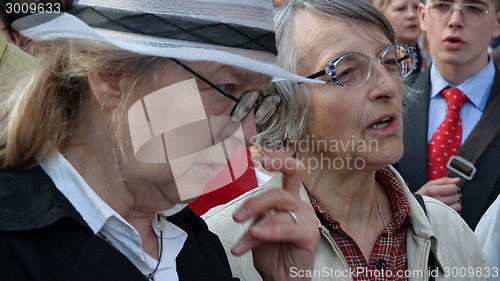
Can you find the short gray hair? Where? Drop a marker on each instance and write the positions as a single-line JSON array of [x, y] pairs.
[[288, 123]]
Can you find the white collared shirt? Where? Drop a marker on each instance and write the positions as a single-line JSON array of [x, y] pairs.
[[477, 89], [102, 218]]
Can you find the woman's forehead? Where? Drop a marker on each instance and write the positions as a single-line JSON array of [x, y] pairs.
[[321, 39]]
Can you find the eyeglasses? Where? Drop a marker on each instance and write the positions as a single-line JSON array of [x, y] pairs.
[[472, 13], [265, 105], [354, 69]]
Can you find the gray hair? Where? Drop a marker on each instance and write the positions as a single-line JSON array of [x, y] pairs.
[[288, 123]]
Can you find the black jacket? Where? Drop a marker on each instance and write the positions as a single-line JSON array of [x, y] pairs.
[[43, 237]]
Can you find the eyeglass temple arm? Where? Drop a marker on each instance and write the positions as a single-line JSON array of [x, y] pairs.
[[204, 79], [315, 75]]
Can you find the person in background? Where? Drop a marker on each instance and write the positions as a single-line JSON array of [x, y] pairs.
[[121, 124], [347, 133], [12, 59], [456, 114], [403, 16], [6, 20], [11, 10], [246, 182]]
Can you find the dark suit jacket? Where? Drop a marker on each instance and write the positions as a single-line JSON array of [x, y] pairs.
[[477, 194], [43, 237]]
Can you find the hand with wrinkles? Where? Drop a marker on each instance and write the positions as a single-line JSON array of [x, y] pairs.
[[278, 240]]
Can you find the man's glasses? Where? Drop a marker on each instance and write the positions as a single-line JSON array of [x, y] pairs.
[[472, 13], [265, 105], [353, 69]]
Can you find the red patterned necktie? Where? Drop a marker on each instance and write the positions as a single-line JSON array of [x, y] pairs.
[[446, 140]]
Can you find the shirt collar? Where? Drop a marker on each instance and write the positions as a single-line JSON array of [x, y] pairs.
[[68, 181], [80, 194], [476, 88], [101, 217]]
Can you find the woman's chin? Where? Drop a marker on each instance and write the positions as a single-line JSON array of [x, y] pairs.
[[382, 160]]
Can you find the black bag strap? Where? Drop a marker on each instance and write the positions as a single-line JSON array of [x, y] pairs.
[[430, 261], [420, 201], [481, 137]]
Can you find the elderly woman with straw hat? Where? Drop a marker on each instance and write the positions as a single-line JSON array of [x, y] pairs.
[[134, 107]]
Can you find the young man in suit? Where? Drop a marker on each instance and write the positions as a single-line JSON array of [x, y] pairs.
[[436, 127]]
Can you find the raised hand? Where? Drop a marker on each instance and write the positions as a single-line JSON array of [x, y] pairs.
[[284, 233]]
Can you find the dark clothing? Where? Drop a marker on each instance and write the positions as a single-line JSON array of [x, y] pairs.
[[477, 194], [420, 60], [43, 237]]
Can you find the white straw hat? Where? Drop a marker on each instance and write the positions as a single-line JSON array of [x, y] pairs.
[[233, 32]]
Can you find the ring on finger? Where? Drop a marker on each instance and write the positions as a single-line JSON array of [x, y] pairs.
[[291, 213], [294, 217]]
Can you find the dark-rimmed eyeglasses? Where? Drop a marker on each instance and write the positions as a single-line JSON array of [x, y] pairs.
[[265, 105], [472, 13], [354, 69]]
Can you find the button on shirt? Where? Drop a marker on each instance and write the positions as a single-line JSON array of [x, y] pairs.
[[477, 89], [102, 218]]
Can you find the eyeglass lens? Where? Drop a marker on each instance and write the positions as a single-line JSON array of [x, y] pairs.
[[354, 69], [473, 13], [244, 105], [264, 109], [264, 106]]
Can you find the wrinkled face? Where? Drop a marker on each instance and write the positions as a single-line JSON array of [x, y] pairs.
[[181, 132], [345, 124], [403, 16], [457, 42]]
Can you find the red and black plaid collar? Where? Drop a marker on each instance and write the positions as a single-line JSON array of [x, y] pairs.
[[399, 203]]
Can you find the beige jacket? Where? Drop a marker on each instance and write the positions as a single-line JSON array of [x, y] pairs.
[[454, 245]]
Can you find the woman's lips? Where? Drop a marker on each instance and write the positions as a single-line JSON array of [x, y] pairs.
[[384, 125]]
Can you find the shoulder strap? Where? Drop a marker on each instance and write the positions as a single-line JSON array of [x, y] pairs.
[[481, 137], [430, 261], [420, 201]]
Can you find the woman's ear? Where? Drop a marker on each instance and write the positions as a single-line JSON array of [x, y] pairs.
[[106, 88]]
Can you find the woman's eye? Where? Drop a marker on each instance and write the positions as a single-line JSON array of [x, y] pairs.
[[392, 61], [346, 73]]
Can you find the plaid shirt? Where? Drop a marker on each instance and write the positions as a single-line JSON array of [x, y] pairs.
[[395, 247]]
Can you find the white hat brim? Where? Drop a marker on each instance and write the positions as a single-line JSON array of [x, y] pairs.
[[42, 27]]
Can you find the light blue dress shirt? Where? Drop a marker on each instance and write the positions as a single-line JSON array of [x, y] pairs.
[[477, 89]]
